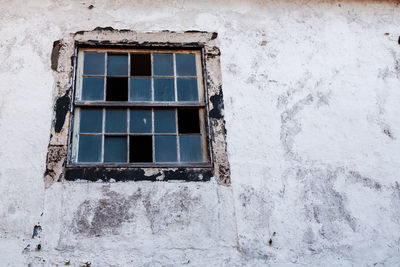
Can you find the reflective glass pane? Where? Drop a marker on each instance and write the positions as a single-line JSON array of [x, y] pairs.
[[93, 63], [164, 121], [115, 148], [164, 89], [163, 65], [89, 148], [91, 120], [185, 65], [190, 149], [140, 89], [187, 89], [116, 121], [140, 65], [117, 65], [141, 149], [117, 89], [140, 121], [93, 88], [165, 148]]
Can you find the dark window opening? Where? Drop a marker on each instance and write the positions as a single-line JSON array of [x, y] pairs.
[[141, 149]]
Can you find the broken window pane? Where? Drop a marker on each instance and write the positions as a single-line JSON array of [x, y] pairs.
[[140, 121], [117, 89], [89, 148], [188, 121], [163, 65], [116, 121], [141, 149], [190, 148], [164, 89], [117, 65], [164, 121], [93, 88], [165, 148], [93, 63], [115, 149], [91, 120], [140, 89], [185, 65], [187, 89], [140, 65]]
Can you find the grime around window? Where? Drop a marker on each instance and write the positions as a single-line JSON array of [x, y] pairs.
[[139, 108]]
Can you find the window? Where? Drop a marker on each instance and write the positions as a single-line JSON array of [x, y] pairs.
[[135, 106], [139, 107]]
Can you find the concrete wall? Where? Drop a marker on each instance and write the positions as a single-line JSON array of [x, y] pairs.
[[312, 93]]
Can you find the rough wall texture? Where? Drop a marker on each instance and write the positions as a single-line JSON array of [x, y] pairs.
[[311, 92]]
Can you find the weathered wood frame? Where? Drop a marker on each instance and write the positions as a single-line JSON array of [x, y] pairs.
[[64, 62]]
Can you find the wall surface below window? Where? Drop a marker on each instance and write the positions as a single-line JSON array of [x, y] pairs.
[[311, 93]]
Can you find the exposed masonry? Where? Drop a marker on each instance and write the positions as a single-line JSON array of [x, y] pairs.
[[63, 61]]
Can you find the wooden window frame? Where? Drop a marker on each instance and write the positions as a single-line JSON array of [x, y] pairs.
[[64, 63]]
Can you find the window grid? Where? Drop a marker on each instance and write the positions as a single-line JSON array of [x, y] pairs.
[[151, 106]]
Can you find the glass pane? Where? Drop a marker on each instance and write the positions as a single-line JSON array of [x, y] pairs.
[[91, 120], [165, 148], [117, 65], [187, 89], [93, 88], [188, 121], [163, 65], [164, 121], [117, 89], [164, 89], [190, 149], [89, 148], [140, 89], [140, 121], [141, 149], [115, 149], [140, 65], [185, 65], [116, 121], [93, 63]]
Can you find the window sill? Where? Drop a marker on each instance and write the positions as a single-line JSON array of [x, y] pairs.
[[118, 173]]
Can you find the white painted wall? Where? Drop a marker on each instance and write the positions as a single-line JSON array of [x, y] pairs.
[[312, 93]]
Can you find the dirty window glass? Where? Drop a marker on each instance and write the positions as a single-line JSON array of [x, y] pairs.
[[139, 106]]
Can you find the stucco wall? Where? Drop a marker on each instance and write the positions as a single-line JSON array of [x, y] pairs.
[[312, 93]]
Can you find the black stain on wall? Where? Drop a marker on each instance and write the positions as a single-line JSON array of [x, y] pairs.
[[55, 54], [218, 105], [61, 110]]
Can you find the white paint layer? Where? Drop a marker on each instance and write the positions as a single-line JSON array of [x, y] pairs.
[[311, 91]]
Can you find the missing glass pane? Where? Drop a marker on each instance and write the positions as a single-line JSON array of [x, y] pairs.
[[188, 121], [140, 65], [117, 89], [141, 149]]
